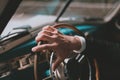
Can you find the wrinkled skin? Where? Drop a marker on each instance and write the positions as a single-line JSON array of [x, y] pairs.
[[62, 45]]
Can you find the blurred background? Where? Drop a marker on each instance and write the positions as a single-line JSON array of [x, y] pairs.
[[78, 9]]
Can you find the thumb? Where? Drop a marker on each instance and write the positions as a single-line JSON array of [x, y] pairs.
[[56, 63]]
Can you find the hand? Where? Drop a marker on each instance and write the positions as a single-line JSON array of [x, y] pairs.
[[62, 45]]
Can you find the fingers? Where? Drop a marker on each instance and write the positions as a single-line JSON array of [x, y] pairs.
[[47, 37], [43, 36], [56, 63], [49, 28], [43, 47], [45, 33]]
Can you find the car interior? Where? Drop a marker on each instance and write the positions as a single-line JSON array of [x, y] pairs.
[[97, 21]]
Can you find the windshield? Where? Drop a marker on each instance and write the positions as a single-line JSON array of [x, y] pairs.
[[90, 8], [38, 12], [34, 13]]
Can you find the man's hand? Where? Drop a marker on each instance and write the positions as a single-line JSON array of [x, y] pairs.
[[62, 45]]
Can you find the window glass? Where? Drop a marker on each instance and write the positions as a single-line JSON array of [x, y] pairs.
[[90, 8]]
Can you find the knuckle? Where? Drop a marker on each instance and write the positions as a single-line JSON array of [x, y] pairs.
[[46, 46], [56, 32], [43, 36], [54, 37], [37, 39], [42, 32], [46, 27]]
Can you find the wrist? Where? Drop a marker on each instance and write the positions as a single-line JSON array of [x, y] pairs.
[[81, 44]]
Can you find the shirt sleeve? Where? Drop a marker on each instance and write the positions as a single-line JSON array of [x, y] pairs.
[[83, 45]]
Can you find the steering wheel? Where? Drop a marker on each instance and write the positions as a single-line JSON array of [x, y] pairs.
[[79, 67]]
